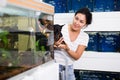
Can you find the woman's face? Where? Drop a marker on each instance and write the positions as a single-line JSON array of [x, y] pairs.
[[79, 21]]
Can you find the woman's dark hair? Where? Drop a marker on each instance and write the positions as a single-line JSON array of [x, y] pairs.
[[87, 13]]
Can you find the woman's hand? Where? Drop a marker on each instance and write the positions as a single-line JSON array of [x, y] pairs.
[[64, 46], [61, 44], [58, 42]]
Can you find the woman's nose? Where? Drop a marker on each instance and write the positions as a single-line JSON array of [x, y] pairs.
[[77, 22]]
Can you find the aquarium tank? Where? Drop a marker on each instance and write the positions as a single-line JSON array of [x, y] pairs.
[[25, 40]]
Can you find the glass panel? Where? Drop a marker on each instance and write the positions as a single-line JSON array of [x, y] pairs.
[[22, 44], [11, 10]]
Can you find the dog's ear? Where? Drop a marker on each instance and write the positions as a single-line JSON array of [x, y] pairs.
[[57, 27], [62, 25]]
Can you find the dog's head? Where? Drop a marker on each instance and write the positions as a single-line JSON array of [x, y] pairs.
[[57, 32]]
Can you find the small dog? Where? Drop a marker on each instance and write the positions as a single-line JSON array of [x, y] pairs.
[[57, 32]]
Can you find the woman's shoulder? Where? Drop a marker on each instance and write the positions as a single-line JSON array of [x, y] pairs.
[[84, 34]]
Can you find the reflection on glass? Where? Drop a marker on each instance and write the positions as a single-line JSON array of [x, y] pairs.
[[45, 35], [23, 45]]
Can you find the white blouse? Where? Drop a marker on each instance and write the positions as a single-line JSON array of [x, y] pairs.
[[61, 56]]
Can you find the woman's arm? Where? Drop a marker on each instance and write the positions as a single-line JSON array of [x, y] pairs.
[[74, 54]]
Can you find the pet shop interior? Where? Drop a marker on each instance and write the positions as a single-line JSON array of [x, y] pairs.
[[26, 39]]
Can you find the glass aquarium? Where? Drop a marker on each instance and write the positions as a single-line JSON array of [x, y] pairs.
[[25, 40]]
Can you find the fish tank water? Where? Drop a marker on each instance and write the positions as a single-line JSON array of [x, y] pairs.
[[23, 45]]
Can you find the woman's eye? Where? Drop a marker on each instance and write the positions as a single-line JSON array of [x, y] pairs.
[[76, 18], [81, 21]]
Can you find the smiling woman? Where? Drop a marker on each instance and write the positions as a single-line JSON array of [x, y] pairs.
[[75, 40]]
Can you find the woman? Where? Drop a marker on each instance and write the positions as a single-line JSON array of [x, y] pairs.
[[75, 43]]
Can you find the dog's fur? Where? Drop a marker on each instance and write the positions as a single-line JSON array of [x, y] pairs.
[[57, 32]]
